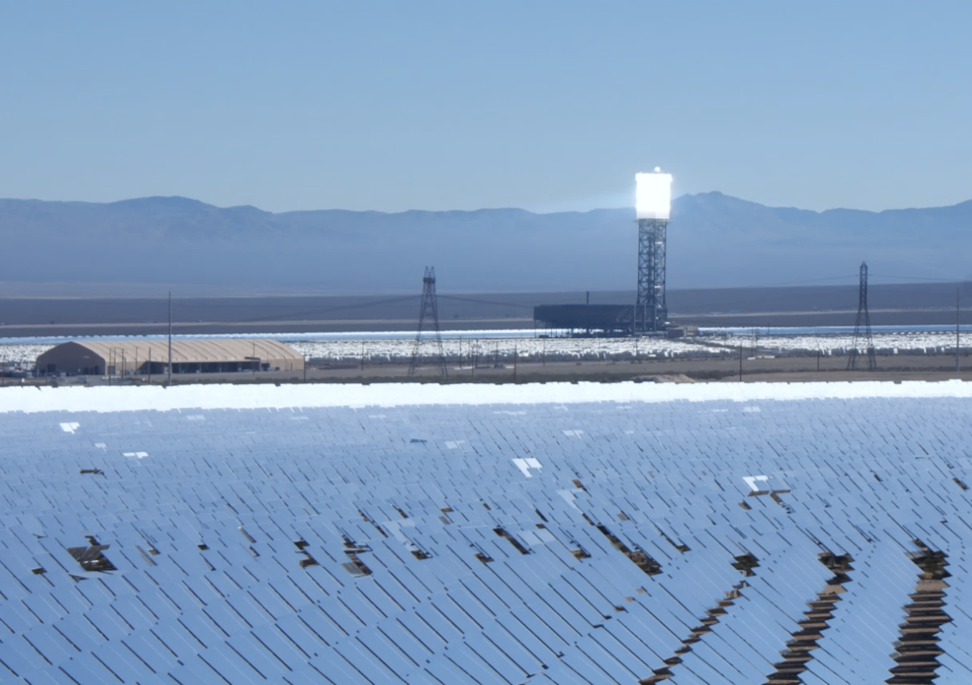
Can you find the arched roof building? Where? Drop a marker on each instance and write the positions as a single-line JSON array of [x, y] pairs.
[[214, 355]]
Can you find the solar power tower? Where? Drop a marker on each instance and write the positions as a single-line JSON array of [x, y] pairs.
[[429, 313], [862, 328], [653, 204]]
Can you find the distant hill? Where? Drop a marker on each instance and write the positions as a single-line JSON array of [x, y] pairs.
[[714, 241]]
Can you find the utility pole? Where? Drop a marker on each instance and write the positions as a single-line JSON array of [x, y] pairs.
[[169, 380], [740, 362], [150, 366], [514, 363], [957, 342]]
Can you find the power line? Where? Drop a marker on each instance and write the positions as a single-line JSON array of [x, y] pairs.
[[323, 310], [478, 301], [925, 279], [809, 280]]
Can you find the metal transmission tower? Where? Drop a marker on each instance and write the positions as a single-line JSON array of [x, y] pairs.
[[863, 320], [653, 205], [428, 313]]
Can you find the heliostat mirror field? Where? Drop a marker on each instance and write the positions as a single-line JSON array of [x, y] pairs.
[[750, 540]]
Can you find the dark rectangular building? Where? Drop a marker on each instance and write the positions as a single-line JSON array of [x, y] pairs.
[[585, 319]]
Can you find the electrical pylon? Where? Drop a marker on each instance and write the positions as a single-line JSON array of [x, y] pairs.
[[863, 322], [428, 313]]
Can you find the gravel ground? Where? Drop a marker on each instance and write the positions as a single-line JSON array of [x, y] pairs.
[[497, 350]]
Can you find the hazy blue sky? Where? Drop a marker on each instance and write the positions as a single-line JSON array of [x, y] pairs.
[[463, 105]]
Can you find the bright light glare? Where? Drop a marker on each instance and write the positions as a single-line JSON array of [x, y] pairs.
[[653, 197]]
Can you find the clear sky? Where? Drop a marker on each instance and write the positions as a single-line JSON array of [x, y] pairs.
[[545, 105]]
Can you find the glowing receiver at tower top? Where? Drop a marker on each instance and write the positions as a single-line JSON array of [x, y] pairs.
[[653, 195]]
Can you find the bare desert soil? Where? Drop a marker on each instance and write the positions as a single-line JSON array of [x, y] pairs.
[[782, 370], [21, 316]]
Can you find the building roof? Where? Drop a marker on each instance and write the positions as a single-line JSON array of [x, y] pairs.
[[190, 351]]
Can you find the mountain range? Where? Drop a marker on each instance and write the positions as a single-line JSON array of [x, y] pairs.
[[713, 241]]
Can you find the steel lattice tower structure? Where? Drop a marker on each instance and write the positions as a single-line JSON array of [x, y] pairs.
[[653, 201], [429, 312], [863, 322], [651, 310]]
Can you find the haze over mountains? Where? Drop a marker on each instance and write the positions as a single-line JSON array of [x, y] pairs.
[[714, 241]]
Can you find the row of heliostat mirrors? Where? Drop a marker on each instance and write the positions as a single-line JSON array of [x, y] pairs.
[[816, 541]]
